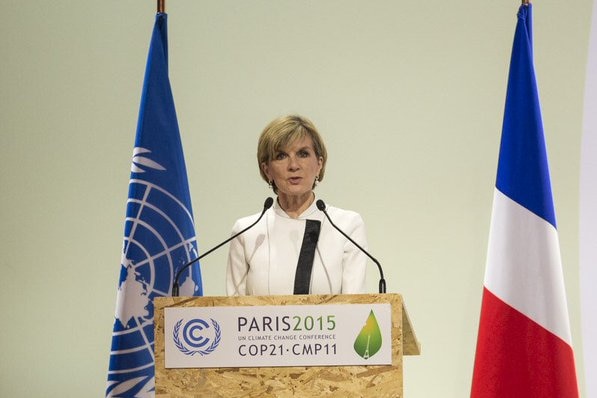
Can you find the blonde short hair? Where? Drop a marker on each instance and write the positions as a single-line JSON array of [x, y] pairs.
[[282, 132]]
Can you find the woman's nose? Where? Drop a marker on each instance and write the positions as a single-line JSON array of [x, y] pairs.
[[293, 163]]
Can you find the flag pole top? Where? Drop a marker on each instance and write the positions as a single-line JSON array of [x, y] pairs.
[[526, 2], [161, 6]]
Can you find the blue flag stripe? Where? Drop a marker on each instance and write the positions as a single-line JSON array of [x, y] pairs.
[[523, 171]]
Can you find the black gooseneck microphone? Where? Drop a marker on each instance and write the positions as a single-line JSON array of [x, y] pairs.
[[382, 282], [175, 287]]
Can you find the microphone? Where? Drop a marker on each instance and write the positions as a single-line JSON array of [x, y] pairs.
[[382, 282], [175, 287]]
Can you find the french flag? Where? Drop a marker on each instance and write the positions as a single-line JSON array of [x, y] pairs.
[[524, 345]]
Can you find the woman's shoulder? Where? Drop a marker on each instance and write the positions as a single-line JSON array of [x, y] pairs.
[[244, 222], [343, 214]]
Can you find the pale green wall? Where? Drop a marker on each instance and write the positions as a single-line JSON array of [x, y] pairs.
[[409, 96]]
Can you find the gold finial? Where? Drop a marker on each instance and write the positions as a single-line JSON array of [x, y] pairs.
[[161, 6]]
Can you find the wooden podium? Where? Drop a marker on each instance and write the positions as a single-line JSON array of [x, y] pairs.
[[315, 381]]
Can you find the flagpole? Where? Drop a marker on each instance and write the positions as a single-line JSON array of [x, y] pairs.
[[161, 6], [526, 2]]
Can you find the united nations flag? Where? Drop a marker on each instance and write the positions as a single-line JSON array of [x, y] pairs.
[[159, 231]]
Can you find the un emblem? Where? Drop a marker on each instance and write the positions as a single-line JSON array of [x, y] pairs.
[[198, 336], [159, 237]]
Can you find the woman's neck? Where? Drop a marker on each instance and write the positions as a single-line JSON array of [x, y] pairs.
[[294, 206]]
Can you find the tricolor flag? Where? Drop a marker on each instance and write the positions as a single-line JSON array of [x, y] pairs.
[[159, 231], [524, 345], [588, 219]]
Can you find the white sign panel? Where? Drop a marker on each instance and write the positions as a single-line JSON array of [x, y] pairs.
[[272, 336]]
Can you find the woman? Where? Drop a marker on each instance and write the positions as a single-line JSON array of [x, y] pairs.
[[294, 248]]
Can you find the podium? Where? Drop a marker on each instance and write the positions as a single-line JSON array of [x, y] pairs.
[[288, 380]]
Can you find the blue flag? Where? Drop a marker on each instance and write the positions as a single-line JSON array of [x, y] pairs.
[[159, 231]]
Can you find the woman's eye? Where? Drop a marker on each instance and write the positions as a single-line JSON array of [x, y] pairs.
[[280, 156], [303, 154]]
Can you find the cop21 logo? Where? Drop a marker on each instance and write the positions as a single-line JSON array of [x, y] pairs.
[[369, 340], [197, 336]]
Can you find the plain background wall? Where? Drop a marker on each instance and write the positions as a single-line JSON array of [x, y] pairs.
[[408, 95]]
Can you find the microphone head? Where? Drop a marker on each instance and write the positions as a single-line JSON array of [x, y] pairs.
[[320, 204], [268, 203]]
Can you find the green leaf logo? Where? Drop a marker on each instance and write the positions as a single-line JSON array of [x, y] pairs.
[[368, 342]]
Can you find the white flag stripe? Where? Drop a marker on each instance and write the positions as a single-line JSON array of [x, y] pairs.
[[524, 265]]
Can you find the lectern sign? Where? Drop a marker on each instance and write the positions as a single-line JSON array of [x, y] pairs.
[[271, 336]]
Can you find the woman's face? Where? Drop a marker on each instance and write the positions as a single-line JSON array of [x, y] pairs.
[[293, 169]]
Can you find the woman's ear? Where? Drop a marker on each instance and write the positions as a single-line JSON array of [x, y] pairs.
[[264, 168]]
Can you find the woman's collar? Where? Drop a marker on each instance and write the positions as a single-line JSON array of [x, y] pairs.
[[309, 211]]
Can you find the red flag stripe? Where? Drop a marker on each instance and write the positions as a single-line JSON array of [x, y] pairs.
[[516, 357]]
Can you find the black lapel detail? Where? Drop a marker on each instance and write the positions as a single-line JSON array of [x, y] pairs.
[[302, 278]]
